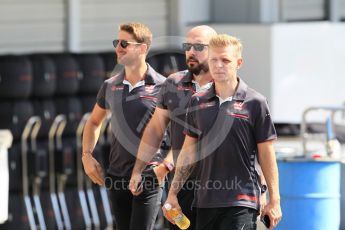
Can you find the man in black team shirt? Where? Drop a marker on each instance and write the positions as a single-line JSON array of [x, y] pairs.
[[171, 107], [227, 126], [131, 97]]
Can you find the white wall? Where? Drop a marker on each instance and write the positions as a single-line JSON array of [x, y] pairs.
[[187, 12], [99, 20], [257, 51], [32, 26], [6, 139], [249, 11], [307, 68], [303, 10]]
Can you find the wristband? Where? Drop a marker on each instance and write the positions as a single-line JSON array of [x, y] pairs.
[[169, 166]]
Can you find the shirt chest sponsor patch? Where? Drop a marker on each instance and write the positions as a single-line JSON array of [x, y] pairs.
[[238, 115], [116, 88], [183, 88], [238, 110], [206, 105]]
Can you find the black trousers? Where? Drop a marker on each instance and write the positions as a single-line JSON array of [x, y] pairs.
[[185, 198], [135, 212], [234, 218]]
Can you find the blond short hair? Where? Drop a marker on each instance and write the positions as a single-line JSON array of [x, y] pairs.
[[141, 33], [224, 40]]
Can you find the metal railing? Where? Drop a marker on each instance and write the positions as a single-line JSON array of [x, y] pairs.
[[304, 133]]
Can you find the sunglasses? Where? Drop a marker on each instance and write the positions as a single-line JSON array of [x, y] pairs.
[[124, 43], [197, 46]]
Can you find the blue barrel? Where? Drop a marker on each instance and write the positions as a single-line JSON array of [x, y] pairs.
[[310, 195], [342, 195]]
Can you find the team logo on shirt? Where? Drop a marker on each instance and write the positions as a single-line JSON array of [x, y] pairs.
[[206, 104], [238, 105], [114, 88], [181, 88], [149, 88]]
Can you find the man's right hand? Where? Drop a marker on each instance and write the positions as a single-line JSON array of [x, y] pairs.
[[273, 210], [172, 200], [93, 169]]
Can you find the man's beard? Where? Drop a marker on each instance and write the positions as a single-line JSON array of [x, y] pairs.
[[197, 68]]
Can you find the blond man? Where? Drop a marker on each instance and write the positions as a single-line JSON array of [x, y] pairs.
[[227, 128]]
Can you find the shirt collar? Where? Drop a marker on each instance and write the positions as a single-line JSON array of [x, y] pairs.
[[119, 78], [150, 76], [131, 87], [221, 101], [188, 78], [203, 88], [241, 90], [239, 95]]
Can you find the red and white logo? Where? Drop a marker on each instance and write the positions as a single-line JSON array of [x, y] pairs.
[[181, 88], [206, 105], [113, 88], [238, 105], [149, 88]]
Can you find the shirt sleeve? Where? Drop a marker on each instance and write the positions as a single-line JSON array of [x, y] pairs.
[[263, 125], [101, 97], [164, 148], [190, 123], [161, 102]]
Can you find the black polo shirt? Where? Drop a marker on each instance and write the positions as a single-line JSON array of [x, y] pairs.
[[174, 96], [131, 111], [228, 135]]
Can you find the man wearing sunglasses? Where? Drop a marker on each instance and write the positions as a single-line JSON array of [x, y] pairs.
[[171, 107], [130, 96], [228, 127]]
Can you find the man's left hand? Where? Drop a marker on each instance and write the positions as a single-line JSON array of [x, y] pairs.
[[273, 210], [161, 172], [134, 182]]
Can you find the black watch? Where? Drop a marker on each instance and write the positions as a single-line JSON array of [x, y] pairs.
[[263, 188]]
